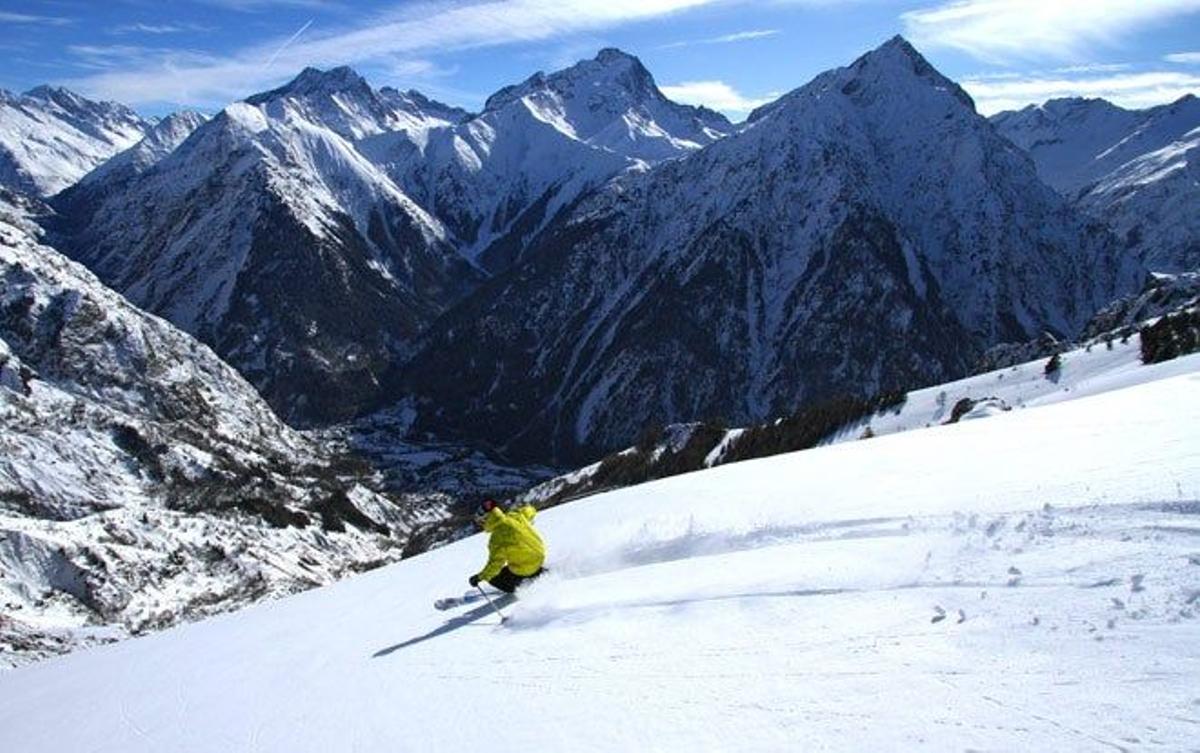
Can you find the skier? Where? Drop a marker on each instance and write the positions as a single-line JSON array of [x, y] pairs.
[[515, 550]]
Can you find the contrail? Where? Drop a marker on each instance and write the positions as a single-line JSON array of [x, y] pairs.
[[288, 43]]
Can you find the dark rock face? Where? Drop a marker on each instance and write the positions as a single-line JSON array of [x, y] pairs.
[[311, 324]]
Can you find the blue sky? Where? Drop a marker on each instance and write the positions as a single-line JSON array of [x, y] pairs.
[[161, 55]]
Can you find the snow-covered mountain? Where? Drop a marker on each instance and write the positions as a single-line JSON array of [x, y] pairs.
[[1025, 582], [50, 137], [866, 231], [310, 232], [341, 100], [497, 178], [1136, 169], [142, 480], [268, 235]]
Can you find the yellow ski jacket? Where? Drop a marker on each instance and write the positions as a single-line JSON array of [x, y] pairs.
[[514, 542]]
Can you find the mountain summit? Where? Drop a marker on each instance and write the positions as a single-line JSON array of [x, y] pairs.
[[310, 232], [497, 179], [315, 82], [592, 96]]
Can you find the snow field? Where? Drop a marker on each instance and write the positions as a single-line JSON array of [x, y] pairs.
[[779, 604]]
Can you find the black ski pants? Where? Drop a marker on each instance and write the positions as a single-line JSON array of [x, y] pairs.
[[506, 580]]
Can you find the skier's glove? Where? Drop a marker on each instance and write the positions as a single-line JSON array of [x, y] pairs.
[[473, 580]]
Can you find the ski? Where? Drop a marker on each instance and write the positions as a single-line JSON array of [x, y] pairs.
[[450, 602]]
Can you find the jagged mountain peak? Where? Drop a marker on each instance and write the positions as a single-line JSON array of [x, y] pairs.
[[615, 55], [184, 119], [273, 233], [313, 82], [73, 101], [897, 45], [613, 72], [1188, 103], [1064, 104], [414, 102], [893, 72], [160, 140], [897, 59], [50, 93]]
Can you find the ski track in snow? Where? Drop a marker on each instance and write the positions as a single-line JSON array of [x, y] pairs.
[[1031, 581]]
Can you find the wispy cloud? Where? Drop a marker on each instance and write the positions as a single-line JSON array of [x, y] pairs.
[[1133, 90], [739, 36], [1185, 58], [143, 28], [26, 18], [110, 58], [251, 6], [1007, 30], [1094, 68], [717, 95], [406, 31]]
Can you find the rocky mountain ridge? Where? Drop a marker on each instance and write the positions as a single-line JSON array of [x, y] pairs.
[[50, 137], [1134, 169], [778, 266]]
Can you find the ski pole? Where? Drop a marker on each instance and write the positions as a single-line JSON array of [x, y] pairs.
[[491, 603]]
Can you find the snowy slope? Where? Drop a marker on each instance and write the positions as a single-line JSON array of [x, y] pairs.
[[1085, 371], [1135, 169], [777, 266], [796, 601], [51, 137], [142, 480]]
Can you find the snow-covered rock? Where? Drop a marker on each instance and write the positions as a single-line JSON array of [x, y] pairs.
[[142, 480], [1136, 169], [1161, 295], [866, 231], [51, 137]]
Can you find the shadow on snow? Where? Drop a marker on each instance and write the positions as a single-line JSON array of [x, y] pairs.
[[462, 620]]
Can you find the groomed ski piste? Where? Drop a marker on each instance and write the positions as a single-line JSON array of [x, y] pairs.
[[1026, 582]]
